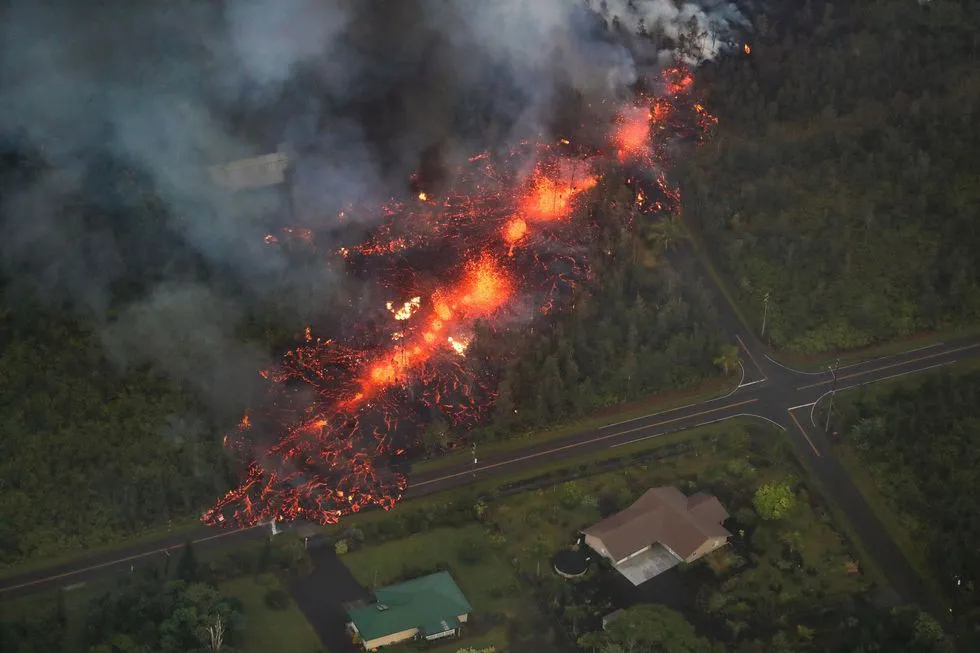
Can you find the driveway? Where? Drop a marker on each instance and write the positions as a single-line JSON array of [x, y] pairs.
[[322, 594]]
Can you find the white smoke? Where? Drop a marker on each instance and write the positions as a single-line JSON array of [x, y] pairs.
[[152, 84], [706, 22]]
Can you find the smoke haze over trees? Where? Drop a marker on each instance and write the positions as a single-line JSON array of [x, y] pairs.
[[140, 298]]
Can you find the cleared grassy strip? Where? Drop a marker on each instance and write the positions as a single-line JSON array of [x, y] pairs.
[[901, 534], [186, 525], [656, 403], [869, 565], [490, 486], [819, 362]]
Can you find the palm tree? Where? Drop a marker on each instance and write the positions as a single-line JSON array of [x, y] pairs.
[[727, 359]]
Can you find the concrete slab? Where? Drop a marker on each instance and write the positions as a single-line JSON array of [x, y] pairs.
[[649, 564]]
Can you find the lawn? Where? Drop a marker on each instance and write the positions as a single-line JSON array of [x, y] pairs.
[[266, 629], [485, 580]]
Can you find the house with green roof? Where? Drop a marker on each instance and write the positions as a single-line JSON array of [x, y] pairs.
[[430, 607]]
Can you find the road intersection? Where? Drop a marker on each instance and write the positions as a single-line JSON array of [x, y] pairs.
[[768, 390]]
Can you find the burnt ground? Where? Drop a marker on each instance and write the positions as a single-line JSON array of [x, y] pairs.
[[322, 594]]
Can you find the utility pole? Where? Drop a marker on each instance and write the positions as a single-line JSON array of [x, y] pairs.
[[833, 393], [765, 314], [475, 460]]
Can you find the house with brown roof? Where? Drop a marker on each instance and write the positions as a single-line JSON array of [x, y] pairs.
[[658, 531]]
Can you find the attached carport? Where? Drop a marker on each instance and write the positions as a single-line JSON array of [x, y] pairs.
[[643, 566]]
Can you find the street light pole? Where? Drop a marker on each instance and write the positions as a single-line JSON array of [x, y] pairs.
[[473, 449], [765, 314], [833, 393]]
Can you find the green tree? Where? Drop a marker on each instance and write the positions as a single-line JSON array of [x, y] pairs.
[[436, 436], [774, 500], [727, 359], [649, 627]]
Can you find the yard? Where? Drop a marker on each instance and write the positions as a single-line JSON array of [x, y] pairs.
[[484, 577], [268, 629], [773, 574]]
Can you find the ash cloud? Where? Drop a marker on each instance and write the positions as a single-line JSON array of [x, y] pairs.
[[359, 91]]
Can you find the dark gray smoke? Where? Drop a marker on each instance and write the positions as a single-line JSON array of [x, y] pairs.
[[125, 101]]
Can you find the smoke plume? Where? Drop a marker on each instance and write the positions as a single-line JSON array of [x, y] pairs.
[[126, 105]]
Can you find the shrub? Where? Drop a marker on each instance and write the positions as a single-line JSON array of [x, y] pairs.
[[590, 501], [774, 500], [341, 547], [277, 599]]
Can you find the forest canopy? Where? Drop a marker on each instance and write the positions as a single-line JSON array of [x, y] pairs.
[[920, 443], [843, 177]]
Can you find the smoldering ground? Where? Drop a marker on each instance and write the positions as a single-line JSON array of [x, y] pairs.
[[120, 107]]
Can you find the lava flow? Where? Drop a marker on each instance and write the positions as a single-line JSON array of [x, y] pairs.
[[499, 247]]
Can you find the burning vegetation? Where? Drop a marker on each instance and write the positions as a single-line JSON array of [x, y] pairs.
[[496, 249]]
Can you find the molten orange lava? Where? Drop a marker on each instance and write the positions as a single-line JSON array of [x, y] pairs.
[[632, 137], [515, 230], [483, 289], [549, 200], [333, 458], [678, 80]]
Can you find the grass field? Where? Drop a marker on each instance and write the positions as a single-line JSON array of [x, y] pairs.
[[266, 629]]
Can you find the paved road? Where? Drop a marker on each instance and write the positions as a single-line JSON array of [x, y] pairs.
[[768, 391]]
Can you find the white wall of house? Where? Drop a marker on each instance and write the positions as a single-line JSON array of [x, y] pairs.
[[709, 545], [393, 638], [596, 545], [633, 555]]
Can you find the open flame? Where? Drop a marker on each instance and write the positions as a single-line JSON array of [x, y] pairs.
[[459, 345], [406, 310], [550, 199], [632, 135]]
